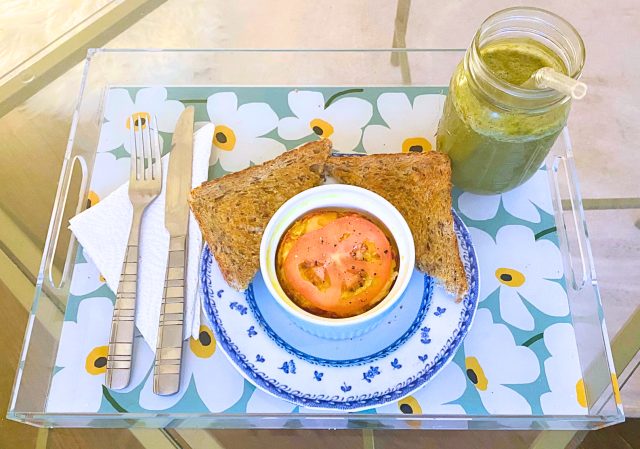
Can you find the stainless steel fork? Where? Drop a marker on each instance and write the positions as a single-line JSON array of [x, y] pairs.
[[145, 183]]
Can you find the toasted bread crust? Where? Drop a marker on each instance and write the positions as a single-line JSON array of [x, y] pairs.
[[419, 186], [234, 210]]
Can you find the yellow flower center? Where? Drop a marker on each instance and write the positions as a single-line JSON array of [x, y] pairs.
[[205, 345], [581, 393], [102, 279], [410, 406], [416, 145], [616, 389], [321, 128], [475, 373], [96, 361], [224, 138], [92, 199], [140, 120], [510, 277]]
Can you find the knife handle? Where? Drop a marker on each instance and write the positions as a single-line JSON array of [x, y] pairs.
[[166, 370], [122, 324]]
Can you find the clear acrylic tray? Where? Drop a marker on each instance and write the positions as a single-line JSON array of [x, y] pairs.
[[237, 69]]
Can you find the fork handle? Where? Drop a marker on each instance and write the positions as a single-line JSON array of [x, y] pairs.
[[166, 370], [122, 324]]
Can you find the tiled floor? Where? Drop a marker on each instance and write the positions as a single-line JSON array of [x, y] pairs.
[[623, 436], [28, 26], [615, 242]]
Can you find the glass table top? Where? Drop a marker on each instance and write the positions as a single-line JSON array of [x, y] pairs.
[[610, 196]]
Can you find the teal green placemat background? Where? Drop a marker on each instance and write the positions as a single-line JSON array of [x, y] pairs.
[[476, 387]]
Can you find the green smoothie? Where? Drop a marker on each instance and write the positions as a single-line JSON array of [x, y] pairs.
[[497, 139]]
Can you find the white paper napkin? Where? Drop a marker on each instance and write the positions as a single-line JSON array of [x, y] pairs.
[[103, 231]]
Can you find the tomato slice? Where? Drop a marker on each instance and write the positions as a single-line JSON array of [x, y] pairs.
[[340, 265]]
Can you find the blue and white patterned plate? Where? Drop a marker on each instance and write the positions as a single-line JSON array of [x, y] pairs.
[[419, 337]]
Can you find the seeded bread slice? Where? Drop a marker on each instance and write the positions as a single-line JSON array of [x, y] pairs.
[[419, 186], [234, 210]]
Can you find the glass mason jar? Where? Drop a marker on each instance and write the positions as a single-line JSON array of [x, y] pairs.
[[497, 132]]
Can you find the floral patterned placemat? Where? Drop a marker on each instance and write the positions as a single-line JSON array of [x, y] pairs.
[[520, 356]]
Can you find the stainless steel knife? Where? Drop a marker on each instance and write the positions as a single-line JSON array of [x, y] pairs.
[[166, 370]]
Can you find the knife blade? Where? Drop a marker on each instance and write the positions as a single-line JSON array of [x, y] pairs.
[[168, 358]]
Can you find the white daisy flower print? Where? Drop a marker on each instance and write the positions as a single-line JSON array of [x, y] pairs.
[[614, 377], [568, 395], [119, 108], [218, 384], [261, 402], [522, 269], [493, 360], [410, 127], [522, 202], [109, 173], [435, 397], [82, 359], [237, 137], [86, 278], [341, 121]]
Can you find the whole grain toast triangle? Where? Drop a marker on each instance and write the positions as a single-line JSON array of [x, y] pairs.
[[234, 210], [419, 186]]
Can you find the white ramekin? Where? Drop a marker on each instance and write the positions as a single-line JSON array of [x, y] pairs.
[[345, 197]]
